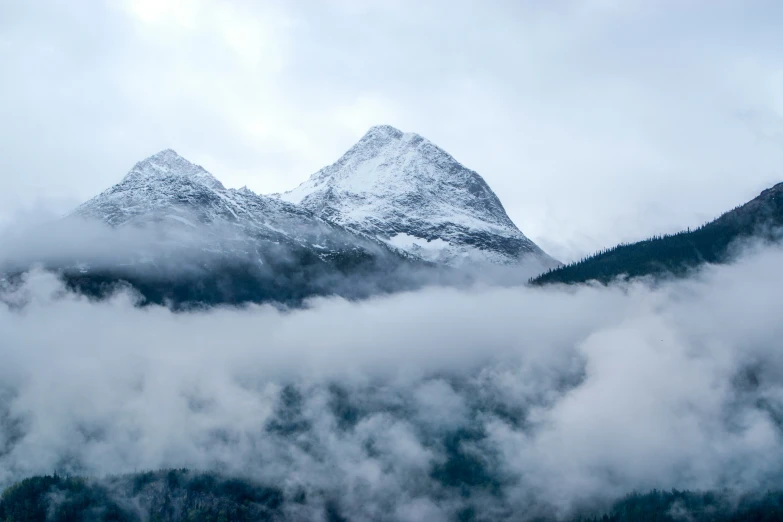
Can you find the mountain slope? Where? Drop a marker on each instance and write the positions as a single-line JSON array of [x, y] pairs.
[[677, 254], [404, 190], [194, 241], [167, 189], [183, 495]]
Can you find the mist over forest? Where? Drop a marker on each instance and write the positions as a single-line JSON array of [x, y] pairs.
[[396, 261], [506, 400]]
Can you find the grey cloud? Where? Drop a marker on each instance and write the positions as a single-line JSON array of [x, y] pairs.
[[525, 398]]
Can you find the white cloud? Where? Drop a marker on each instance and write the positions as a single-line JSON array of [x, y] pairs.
[[555, 395]]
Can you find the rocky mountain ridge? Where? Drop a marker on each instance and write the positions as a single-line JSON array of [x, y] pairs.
[[404, 190]]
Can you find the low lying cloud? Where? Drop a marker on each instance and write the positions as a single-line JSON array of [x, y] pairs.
[[75, 241], [413, 406], [176, 257]]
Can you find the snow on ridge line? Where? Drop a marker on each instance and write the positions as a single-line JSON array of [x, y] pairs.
[[395, 186], [392, 181]]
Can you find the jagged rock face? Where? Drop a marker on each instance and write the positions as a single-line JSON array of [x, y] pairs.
[[381, 219], [167, 189], [237, 246], [401, 188], [766, 209]]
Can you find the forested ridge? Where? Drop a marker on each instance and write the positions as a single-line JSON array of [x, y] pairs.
[[182, 495], [679, 253], [161, 496]]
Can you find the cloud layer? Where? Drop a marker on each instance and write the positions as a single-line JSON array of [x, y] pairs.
[[416, 405]]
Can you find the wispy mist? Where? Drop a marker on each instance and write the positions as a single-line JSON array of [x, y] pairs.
[[175, 257], [412, 405]]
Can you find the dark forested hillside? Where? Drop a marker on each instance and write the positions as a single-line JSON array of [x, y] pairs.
[[182, 495], [678, 253], [670, 506], [163, 496], [287, 279]]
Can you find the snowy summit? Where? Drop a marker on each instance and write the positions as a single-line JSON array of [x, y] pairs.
[[401, 188], [167, 192]]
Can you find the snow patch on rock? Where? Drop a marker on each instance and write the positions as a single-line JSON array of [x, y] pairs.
[[400, 185]]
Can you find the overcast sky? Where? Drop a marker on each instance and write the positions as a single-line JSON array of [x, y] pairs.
[[594, 121]]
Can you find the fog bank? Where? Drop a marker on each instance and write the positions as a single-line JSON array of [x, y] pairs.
[[416, 405]]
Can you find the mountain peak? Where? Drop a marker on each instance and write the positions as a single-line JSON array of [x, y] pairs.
[[165, 155], [168, 163], [386, 134], [401, 188], [383, 131]]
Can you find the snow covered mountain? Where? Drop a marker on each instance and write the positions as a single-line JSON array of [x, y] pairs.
[[233, 245], [166, 189], [402, 189], [388, 216]]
